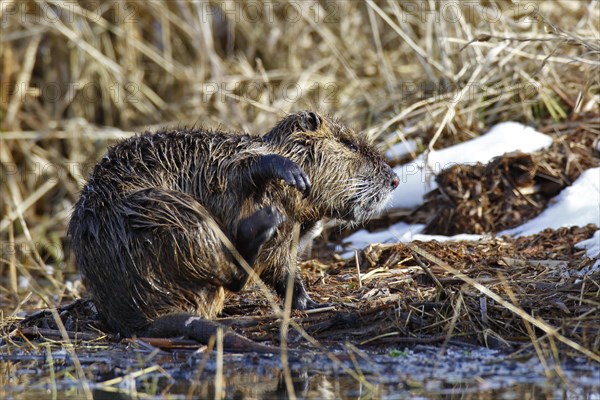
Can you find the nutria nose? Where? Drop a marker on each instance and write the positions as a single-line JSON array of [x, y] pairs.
[[395, 182]]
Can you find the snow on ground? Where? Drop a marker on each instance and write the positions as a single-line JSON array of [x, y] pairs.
[[399, 150], [575, 205], [400, 232], [592, 245], [578, 204], [416, 178]]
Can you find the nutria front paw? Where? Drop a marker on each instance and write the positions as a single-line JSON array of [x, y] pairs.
[[274, 166]]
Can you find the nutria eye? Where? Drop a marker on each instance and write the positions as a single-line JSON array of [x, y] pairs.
[[350, 145]]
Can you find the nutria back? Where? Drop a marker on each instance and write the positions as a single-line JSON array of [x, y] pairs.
[[164, 218]]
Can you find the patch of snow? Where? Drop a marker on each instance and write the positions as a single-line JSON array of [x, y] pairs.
[[400, 232], [592, 245], [23, 282], [576, 205], [400, 150], [395, 233], [418, 176], [442, 238]]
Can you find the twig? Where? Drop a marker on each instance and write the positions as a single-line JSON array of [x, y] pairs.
[[428, 272], [56, 334]]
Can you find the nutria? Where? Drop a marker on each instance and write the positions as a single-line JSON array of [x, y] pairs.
[[147, 231]]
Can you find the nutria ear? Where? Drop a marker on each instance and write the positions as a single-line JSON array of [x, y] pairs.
[[304, 121], [310, 121]]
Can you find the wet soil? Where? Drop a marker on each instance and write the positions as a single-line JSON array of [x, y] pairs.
[[119, 371]]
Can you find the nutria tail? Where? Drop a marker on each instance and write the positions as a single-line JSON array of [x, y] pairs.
[[201, 330]]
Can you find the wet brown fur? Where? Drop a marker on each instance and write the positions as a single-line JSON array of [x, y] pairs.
[[141, 230]]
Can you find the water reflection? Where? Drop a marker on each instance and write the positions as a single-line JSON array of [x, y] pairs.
[[117, 372]]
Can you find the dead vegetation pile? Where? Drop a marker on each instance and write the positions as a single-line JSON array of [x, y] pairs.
[[421, 293], [406, 294], [512, 188]]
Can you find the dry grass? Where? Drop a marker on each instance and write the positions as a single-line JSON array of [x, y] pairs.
[[74, 78]]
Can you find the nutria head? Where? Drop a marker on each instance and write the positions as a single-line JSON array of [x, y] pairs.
[[350, 179]]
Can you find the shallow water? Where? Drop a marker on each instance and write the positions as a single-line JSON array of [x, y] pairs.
[[120, 371]]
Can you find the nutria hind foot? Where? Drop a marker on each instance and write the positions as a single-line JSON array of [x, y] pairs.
[[310, 304], [255, 230], [201, 330], [305, 303], [301, 300]]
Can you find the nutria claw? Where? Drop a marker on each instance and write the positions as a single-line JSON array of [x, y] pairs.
[[274, 166]]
